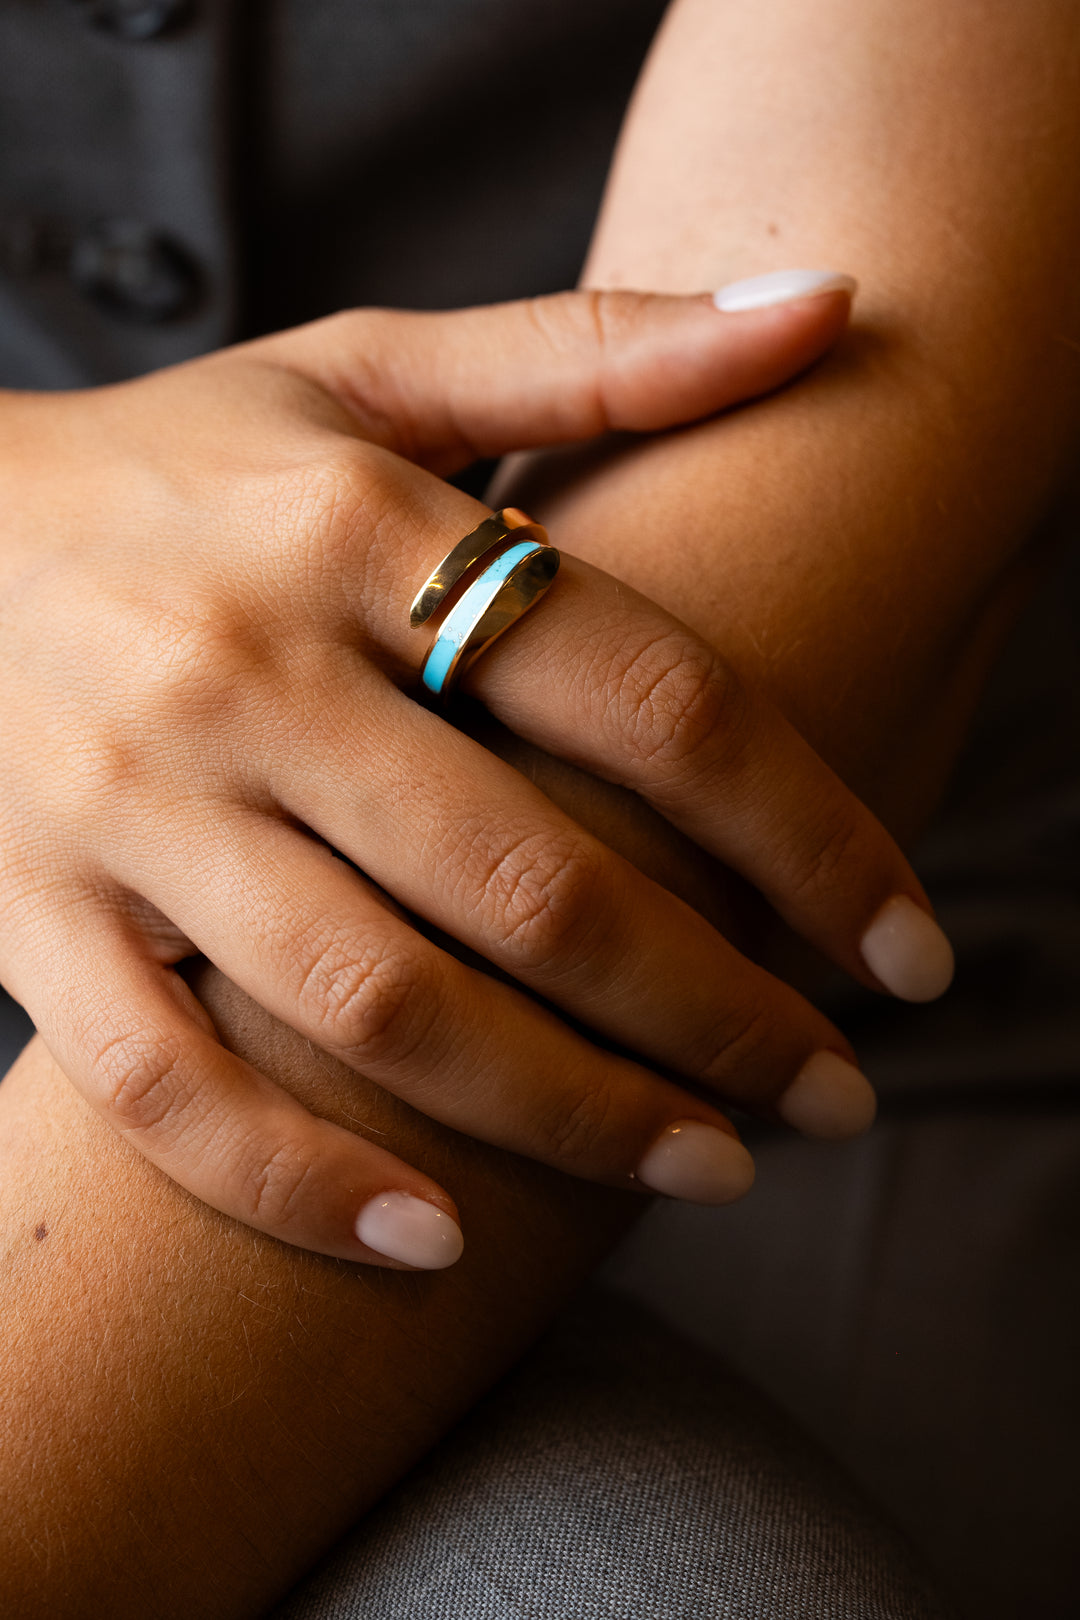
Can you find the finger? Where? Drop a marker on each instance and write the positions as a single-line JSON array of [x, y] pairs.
[[636, 697], [305, 936], [445, 389], [144, 1055], [600, 676], [487, 858]]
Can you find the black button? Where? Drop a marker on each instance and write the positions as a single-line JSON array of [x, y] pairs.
[[134, 272], [134, 19]]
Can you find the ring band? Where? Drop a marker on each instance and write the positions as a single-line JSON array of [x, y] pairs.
[[499, 527], [511, 582]]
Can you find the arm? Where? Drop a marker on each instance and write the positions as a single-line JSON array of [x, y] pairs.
[[269, 1393], [191, 1412], [860, 542]]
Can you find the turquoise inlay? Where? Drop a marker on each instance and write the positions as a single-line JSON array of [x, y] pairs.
[[464, 614], [437, 665]]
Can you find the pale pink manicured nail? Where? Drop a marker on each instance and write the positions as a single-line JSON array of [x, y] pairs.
[[780, 287], [907, 951], [829, 1098], [697, 1162], [410, 1229]]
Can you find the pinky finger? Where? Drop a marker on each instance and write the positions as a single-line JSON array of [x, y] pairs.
[[151, 1065]]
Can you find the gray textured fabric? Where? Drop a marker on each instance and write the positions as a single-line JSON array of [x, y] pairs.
[[620, 1475], [912, 1299]]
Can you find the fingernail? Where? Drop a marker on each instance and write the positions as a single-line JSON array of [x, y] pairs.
[[907, 951], [697, 1162], [410, 1229], [780, 287], [829, 1098]]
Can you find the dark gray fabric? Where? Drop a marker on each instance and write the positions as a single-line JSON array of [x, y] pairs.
[[1002, 863], [433, 153], [96, 128], [912, 1299], [306, 155], [15, 1030], [620, 1475]]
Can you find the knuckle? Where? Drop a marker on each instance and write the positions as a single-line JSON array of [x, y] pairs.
[[736, 1054], [564, 321], [192, 658], [179, 672], [370, 1009], [140, 1082], [365, 384], [277, 1188], [675, 698], [542, 897], [588, 328], [827, 858], [596, 320], [576, 1136], [345, 332], [614, 314], [322, 497], [322, 505]]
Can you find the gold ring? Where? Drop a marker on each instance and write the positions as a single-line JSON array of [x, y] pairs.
[[519, 564]]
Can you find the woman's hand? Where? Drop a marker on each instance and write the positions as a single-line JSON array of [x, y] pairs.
[[207, 666]]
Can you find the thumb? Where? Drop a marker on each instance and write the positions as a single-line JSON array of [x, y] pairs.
[[446, 389]]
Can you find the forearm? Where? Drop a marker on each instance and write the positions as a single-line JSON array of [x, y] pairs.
[[853, 541]]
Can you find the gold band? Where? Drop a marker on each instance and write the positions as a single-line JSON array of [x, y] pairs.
[[510, 523], [519, 565]]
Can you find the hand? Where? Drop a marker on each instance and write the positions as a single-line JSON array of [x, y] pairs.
[[207, 662]]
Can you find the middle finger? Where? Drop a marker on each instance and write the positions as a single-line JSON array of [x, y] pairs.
[[462, 839]]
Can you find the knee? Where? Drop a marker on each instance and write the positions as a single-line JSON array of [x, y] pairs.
[[620, 1473]]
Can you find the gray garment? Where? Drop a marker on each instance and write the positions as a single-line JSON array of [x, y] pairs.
[[912, 1300], [620, 1475], [15, 1030], [97, 129], [305, 155], [1002, 865]]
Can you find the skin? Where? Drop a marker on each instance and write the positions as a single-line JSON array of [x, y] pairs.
[[828, 543], [955, 398], [231, 647], [186, 1395]]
